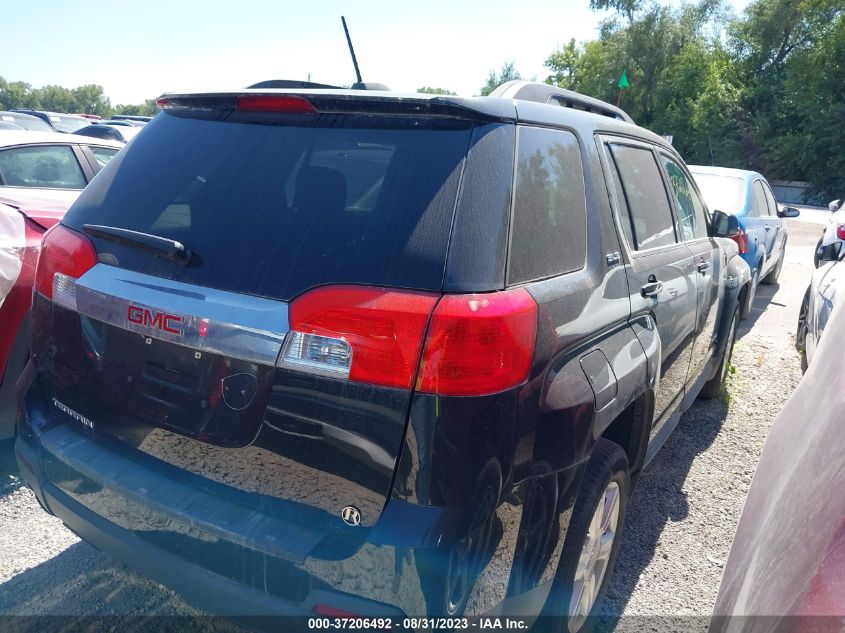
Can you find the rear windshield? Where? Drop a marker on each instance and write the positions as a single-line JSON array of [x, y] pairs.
[[722, 193], [275, 209]]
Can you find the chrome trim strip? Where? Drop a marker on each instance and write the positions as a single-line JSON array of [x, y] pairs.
[[236, 325]]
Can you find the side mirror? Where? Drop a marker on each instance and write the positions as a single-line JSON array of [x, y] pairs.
[[724, 225], [830, 253], [788, 212], [834, 205]]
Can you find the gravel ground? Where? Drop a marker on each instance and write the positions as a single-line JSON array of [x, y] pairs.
[[680, 521]]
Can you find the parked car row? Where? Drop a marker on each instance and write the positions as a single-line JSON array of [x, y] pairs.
[[121, 127]]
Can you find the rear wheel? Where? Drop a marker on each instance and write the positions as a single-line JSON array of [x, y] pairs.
[[592, 541], [713, 387], [801, 334]]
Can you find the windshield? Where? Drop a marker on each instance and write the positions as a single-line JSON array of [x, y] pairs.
[[722, 193], [273, 210], [68, 123], [34, 124]]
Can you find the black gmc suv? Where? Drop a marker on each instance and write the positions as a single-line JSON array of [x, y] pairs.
[[340, 353]]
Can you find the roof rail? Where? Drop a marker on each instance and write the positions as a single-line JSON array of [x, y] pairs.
[[544, 93]]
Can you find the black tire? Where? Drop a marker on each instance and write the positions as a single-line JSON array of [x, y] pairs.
[[750, 295], [772, 277], [713, 387], [608, 464], [801, 333]]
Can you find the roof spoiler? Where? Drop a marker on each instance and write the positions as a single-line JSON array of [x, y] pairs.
[[544, 93], [302, 85]]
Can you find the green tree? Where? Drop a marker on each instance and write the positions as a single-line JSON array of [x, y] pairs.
[[507, 73], [148, 108], [91, 100], [55, 98], [563, 63], [16, 94]]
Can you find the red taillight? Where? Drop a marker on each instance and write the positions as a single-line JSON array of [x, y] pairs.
[[333, 612], [476, 344], [479, 344], [65, 256], [741, 240], [370, 335], [840, 231], [274, 103]]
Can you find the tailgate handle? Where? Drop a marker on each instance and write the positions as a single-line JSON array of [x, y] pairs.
[[703, 267]]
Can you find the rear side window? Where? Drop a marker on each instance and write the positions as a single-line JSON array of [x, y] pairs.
[[51, 166], [549, 233], [759, 206], [645, 197], [274, 209], [770, 198], [102, 154], [691, 216]]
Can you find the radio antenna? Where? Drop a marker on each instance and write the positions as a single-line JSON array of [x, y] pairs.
[[351, 50]]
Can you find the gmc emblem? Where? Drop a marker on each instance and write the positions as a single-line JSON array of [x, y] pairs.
[[157, 320]]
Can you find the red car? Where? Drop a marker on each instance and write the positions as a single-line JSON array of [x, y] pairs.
[[38, 215], [41, 175]]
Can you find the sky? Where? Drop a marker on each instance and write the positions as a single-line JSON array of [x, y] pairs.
[[141, 51]]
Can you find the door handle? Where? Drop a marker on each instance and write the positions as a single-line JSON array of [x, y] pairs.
[[703, 267], [768, 228], [652, 288]]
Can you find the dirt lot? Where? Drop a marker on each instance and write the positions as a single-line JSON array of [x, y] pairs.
[[680, 522]]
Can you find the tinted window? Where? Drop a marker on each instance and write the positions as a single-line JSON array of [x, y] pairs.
[[549, 234], [759, 206], [53, 166], [645, 197], [691, 216], [275, 209]]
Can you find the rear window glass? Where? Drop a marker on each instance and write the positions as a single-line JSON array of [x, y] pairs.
[[549, 234], [721, 193], [273, 210]]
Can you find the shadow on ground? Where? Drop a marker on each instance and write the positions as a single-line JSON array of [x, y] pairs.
[[660, 489]]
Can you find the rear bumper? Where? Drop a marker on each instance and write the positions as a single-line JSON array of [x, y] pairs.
[[160, 544]]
